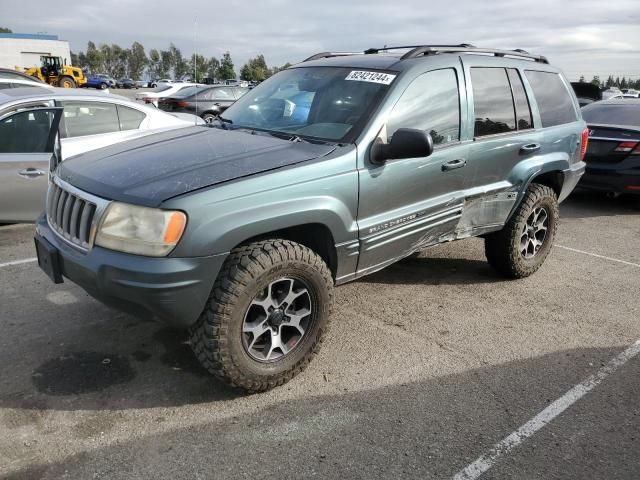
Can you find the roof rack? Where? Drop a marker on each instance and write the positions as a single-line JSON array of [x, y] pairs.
[[434, 50], [424, 50], [413, 47], [320, 55]]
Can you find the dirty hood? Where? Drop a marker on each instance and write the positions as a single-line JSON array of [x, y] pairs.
[[154, 168]]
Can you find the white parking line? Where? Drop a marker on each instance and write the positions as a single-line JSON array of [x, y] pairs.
[[611, 259], [500, 449], [18, 262]]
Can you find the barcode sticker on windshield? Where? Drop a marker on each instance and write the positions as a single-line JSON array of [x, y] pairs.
[[373, 77]]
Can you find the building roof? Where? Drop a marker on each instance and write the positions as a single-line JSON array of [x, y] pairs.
[[29, 36]]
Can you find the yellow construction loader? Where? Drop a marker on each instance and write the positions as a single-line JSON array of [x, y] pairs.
[[54, 72]]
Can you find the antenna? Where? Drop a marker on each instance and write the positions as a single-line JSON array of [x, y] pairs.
[[195, 65]]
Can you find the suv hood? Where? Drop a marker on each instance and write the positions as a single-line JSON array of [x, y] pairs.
[[149, 170]]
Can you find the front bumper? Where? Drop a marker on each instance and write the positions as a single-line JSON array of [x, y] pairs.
[[173, 290], [619, 177]]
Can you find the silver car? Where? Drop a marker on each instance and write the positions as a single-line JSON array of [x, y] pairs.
[[87, 121]]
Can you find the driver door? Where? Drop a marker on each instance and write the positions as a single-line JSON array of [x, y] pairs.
[[410, 203], [27, 144]]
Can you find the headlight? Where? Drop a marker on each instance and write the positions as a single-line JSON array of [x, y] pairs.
[[140, 230]]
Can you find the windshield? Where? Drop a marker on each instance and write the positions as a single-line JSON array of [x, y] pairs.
[[612, 114], [327, 103]]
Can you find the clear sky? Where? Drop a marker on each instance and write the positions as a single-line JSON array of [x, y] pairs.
[[580, 36]]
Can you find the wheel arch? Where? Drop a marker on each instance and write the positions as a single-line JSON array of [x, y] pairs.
[[315, 236]]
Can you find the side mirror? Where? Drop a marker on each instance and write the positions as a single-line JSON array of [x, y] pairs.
[[405, 143]]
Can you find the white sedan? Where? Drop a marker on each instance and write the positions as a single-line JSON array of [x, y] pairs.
[[87, 121], [163, 91]]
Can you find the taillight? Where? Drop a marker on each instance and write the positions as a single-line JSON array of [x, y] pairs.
[[627, 147], [584, 143], [182, 104]]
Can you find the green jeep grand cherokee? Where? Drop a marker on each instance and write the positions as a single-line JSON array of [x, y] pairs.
[[328, 171]]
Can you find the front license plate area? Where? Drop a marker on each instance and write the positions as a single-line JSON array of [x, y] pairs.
[[48, 259]]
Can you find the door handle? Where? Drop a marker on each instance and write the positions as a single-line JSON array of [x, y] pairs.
[[31, 172], [453, 164], [530, 148]]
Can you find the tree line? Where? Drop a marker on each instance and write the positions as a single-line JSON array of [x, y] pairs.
[[614, 82], [134, 62]]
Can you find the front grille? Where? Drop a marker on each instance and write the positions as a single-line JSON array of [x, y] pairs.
[[70, 216]]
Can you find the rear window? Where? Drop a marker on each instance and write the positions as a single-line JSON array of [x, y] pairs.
[[553, 99], [612, 114]]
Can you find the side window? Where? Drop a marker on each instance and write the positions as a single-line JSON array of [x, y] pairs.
[[4, 86], [26, 131], [492, 101], [222, 94], [89, 118], [239, 91], [431, 103], [523, 111], [553, 99], [130, 118]]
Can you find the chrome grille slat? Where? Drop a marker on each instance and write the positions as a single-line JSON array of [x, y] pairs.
[[70, 215]]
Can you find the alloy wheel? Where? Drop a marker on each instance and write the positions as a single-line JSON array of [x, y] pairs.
[[534, 233], [277, 320]]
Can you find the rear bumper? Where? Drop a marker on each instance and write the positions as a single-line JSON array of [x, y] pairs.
[[173, 290], [572, 176], [613, 177]]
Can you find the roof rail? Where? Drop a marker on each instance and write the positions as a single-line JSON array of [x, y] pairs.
[[320, 55], [434, 50], [413, 47], [423, 50]]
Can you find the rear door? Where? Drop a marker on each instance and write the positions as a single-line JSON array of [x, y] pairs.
[[88, 125], [27, 143], [503, 136], [223, 98]]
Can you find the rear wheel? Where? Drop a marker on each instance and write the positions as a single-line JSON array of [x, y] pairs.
[[209, 117], [66, 82], [266, 315], [522, 246]]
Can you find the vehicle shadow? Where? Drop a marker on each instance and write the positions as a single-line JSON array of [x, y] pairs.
[[587, 204], [120, 363], [430, 428], [421, 269]]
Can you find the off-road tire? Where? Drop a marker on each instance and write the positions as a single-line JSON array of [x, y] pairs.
[[216, 338], [66, 82], [502, 248]]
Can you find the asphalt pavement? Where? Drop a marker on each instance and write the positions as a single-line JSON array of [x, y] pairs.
[[429, 365]]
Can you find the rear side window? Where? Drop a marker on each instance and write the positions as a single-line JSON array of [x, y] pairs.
[[130, 118], [492, 100], [431, 103], [89, 118], [523, 111], [553, 99]]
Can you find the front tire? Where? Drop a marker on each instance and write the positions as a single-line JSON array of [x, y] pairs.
[[66, 82], [266, 316], [103, 86], [522, 246]]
